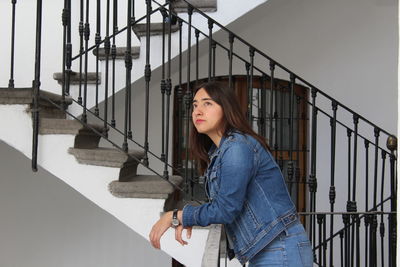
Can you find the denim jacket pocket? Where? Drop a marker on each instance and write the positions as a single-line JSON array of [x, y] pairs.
[[213, 183]]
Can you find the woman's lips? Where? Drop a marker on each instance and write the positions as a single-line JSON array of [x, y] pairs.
[[199, 121]]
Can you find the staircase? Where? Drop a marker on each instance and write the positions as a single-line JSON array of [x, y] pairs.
[[129, 172]]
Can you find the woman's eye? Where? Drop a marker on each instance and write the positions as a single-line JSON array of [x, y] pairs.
[[207, 103]]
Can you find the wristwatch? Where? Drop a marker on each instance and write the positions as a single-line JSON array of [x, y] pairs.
[[175, 221]]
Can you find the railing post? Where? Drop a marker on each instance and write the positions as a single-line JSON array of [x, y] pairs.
[[392, 146], [81, 49], [332, 189], [97, 42], [231, 40], [113, 56], [210, 27], [312, 182], [36, 85], [87, 37], [128, 68], [147, 76], [11, 81], [271, 101]]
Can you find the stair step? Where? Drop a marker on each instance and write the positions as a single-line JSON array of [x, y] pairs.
[[107, 157], [203, 5], [135, 52], [145, 186], [74, 78], [155, 28], [63, 126], [24, 96], [85, 136]]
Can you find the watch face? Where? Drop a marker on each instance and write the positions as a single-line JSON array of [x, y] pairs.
[[175, 222]]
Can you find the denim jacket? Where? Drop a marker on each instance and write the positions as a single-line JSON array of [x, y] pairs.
[[247, 194]]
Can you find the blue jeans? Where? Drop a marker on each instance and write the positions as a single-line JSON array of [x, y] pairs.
[[291, 248]]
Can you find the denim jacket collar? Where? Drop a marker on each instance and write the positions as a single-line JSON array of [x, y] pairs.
[[214, 150]]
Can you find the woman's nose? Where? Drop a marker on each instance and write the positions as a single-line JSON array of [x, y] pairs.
[[197, 111]]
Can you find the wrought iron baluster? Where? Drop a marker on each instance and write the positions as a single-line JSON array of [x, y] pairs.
[[298, 151], [341, 235], [271, 102], [179, 98], [349, 206], [11, 80], [64, 59], [107, 48], [250, 83], [188, 98], [346, 222], [319, 221], [87, 36], [332, 189], [68, 56], [312, 183], [357, 223], [147, 75], [277, 144], [97, 39], [113, 56], [197, 34], [132, 22], [231, 40], [291, 163], [374, 221], [168, 92], [373, 247], [324, 239], [214, 54], [262, 112], [392, 231], [128, 68], [81, 49], [249, 95], [382, 225], [36, 85], [163, 85], [366, 218], [353, 201], [210, 27], [376, 133]]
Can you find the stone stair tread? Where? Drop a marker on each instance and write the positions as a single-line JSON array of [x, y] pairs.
[[64, 126], [120, 53], [203, 5], [145, 186], [74, 78], [155, 28], [25, 96], [107, 157]]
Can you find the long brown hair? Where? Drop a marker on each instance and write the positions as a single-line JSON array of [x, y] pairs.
[[233, 119]]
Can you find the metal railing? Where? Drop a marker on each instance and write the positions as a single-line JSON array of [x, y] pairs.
[[275, 117]]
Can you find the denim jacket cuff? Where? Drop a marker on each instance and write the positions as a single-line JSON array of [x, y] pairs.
[[188, 214]]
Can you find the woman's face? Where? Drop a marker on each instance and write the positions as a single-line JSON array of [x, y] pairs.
[[207, 115]]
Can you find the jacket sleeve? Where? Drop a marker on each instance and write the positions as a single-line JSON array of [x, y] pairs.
[[236, 171]]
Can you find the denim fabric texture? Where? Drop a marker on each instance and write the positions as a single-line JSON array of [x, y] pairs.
[[247, 194], [290, 249]]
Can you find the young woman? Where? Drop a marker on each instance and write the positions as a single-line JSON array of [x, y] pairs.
[[245, 186]]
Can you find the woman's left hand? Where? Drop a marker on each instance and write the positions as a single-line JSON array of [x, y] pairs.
[[159, 229]]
